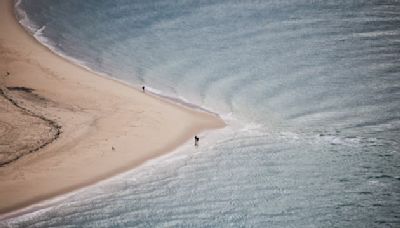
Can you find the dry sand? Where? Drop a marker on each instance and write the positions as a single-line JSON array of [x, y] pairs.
[[59, 122]]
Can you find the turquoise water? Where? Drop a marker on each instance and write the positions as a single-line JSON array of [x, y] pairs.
[[310, 91]]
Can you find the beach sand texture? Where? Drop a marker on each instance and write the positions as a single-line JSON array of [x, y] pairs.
[[59, 122]]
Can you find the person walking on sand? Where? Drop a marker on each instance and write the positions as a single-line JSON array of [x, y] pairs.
[[144, 89], [196, 140]]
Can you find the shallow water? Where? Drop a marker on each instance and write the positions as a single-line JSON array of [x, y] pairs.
[[310, 90]]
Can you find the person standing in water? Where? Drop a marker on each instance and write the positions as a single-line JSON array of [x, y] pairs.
[[196, 140], [144, 89]]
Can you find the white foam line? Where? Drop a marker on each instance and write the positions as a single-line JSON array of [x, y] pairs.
[[38, 35]]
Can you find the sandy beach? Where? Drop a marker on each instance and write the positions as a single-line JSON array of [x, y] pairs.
[[63, 127]]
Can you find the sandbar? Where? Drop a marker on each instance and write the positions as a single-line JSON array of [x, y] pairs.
[[71, 127]]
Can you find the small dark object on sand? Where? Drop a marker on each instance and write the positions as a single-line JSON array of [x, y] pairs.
[[8, 73], [144, 89], [112, 148], [20, 88]]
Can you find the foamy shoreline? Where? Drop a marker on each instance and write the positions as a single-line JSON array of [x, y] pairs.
[[35, 33], [96, 115]]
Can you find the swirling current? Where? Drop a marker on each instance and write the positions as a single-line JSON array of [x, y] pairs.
[[310, 91]]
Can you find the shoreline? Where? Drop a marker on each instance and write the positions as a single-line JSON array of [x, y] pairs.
[[97, 114], [174, 101]]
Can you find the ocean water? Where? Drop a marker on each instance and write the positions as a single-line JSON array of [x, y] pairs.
[[310, 91]]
